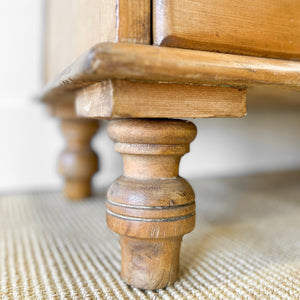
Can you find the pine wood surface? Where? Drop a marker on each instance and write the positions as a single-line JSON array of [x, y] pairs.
[[134, 24], [126, 99], [151, 207], [78, 162], [269, 28], [148, 63], [73, 27]]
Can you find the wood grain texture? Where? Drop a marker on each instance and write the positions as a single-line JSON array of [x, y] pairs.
[[151, 207], [72, 27], [135, 21], [126, 99], [77, 162], [160, 64], [269, 28]]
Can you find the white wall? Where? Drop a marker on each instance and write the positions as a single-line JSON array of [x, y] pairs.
[[31, 141], [267, 139], [25, 155]]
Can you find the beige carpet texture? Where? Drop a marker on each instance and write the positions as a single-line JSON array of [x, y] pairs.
[[246, 245]]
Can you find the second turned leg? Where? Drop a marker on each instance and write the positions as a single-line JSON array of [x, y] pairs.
[[151, 207], [78, 162]]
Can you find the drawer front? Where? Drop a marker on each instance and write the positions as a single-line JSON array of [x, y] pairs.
[[268, 28]]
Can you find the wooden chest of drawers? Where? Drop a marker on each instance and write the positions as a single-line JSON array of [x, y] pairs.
[[144, 89]]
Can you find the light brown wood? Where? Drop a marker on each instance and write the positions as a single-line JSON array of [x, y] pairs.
[[63, 108], [134, 24], [151, 207], [78, 162], [269, 28], [72, 27], [126, 99], [148, 63]]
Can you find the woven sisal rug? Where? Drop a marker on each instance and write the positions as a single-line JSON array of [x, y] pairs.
[[246, 245]]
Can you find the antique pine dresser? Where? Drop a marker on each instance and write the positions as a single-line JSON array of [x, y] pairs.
[[145, 65]]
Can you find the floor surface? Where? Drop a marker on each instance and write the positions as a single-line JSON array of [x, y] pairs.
[[246, 245]]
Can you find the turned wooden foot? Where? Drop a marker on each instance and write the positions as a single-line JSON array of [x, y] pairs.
[[78, 162], [151, 207]]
